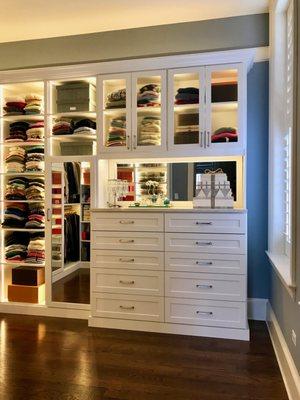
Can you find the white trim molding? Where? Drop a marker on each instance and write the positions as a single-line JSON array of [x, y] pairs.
[[286, 363], [257, 309]]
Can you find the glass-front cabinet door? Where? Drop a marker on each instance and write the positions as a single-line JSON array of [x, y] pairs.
[[149, 110], [114, 120], [224, 122], [186, 88]]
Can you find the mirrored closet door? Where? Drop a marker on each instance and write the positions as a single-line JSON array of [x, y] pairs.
[[68, 223]]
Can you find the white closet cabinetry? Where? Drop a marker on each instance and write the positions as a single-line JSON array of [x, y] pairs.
[[194, 263]]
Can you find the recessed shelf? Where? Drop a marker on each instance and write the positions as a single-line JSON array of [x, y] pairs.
[[77, 114], [22, 201], [225, 106], [115, 110], [85, 222], [73, 137], [21, 144], [149, 109], [23, 173], [23, 229], [22, 264], [23, 117], [186, 107]]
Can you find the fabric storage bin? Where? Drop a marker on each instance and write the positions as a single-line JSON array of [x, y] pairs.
[[76, 149], [76, 96], [29, 276], [26, 294], [224, 92]]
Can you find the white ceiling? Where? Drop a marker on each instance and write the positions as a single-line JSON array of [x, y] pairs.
[[35, 19]]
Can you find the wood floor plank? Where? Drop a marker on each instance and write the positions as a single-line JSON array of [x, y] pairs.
[[50, 358]]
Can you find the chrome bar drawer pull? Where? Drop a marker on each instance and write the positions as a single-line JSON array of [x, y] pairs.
[[126, 240], [204, 313], [204, 243], [204, 263], [127, 308], [203, 223], [126, 259], [126, 282], [126, 222], [202, 286]]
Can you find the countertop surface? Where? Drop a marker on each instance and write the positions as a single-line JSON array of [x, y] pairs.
[[171, 210]]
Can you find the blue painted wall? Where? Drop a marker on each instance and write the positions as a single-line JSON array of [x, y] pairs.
[[257, 178]]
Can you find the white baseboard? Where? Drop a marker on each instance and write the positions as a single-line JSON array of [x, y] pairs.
[[286, 363], [257, 309]]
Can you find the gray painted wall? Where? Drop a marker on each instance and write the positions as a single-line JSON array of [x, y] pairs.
[[286, 309], [190, 37]]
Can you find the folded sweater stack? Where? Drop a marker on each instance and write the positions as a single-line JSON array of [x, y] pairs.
[[35, 189], [150, 131], [16, 188], [14, 105], [17, 131], [36, 249], [36, 132], [83, 126], [149, 96], [117, 132], [16, 246], [62, 127], [188, 95], [35, 158], [15, 160], [116, 99], [34, 104], [36, 216], [15, 215], [225, 134]]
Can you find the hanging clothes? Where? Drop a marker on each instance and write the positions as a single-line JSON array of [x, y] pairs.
[[71, 231], [72, 182]]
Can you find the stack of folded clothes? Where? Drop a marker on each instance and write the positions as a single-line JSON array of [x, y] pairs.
[[149, 96], [35, 132], [36, 216], [62, 127], [149, 131], [16, 188], [14, 106], [117, 132], [85, 125], [225, 134], [15, 159], [35, 158], [188, 95], [35, 189], [17, 131], [15, 215], [116, 99], [34, 104], [16, 246], [36, 249]]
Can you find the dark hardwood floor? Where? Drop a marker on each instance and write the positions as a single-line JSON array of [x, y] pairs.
[[74, 288], [63, 359]]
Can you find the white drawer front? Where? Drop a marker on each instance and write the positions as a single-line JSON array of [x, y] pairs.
[[206, 243], [128, 221], [205, 286], [206, 312], [150, 283], [209, 263], [206, 222], [128, 241], [144, 260], [142, 308]]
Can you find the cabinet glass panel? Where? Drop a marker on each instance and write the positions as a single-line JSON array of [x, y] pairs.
[[114, 118], [224, 106], [186, 108], [149, 115]]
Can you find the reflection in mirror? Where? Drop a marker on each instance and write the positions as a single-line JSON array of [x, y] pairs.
[[177, 181], [70, 225]]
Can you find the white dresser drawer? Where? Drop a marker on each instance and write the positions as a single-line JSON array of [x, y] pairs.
[[150, 283], [205, 243], [206, 222], [142, 308], [209, 263], [205, 286], [128, 241], [140, 260], [206, 312], [128, 221]]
